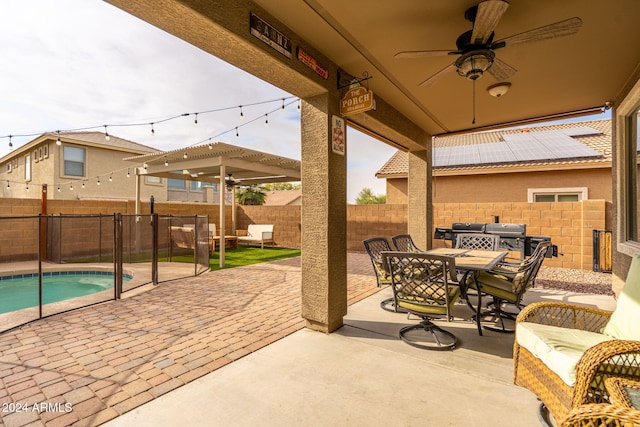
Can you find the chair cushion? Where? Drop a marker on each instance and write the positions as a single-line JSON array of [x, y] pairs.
[[624, 323], [560, 349], [429, 306], [496, 284]]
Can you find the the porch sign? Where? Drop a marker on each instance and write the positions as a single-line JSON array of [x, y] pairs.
[[338, 135], [356, 100]]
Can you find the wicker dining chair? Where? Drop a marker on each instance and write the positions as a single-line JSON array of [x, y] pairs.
[[424, 285], [480, 241], [374, 247], [404, 243]]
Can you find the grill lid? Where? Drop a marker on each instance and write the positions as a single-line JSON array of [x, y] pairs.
[[506, 230]]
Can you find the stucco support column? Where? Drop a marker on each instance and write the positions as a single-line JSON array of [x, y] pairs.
[[420, 208], [324, 219]]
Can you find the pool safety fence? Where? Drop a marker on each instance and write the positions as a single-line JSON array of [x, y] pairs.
[[144, 248]]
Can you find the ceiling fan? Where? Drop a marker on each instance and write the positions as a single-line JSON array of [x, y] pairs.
[[230, 182], [476, 46]]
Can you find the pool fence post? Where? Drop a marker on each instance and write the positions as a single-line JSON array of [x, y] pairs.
[[155, 229]]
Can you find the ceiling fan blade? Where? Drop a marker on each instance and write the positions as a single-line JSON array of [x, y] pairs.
[[500, 70], [557, 29], [413, 54], [487, 17], [438, 75]]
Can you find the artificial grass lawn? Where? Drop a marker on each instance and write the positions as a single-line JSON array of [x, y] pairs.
[[246, 255]]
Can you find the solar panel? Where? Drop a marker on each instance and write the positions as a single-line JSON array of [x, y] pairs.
[[581, 131], [518, 147], [496, 152]]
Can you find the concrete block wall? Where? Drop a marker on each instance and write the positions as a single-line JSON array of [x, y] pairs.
[[569, 224]]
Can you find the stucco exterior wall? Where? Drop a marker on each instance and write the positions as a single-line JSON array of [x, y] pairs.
[[506, 187]]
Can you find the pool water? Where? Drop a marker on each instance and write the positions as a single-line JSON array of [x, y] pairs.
[[18, 292]]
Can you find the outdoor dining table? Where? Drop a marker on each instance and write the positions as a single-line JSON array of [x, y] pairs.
[[470, 261]]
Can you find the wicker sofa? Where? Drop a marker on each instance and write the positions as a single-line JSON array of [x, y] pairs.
[[564, 352]]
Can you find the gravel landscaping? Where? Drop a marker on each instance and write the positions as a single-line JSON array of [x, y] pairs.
[[582, 281]]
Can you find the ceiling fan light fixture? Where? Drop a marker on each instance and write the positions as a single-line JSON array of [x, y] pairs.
[[473, 64], [499, 89]]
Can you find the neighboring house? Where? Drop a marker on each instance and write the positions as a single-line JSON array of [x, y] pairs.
[[76, 165], [558, 162], [283, 198]]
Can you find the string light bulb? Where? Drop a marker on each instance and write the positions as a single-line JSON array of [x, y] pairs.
[[98, 183], [10, 143], [82, 184], [58, 141], [27, 187], [298, 105], [111, 178], [283, 103], [210, 146], [237, 134], [128, 173], [145, 166], [185, 155], [241, 113], [8, 185], [106, 133], [153, 132], [71, 186], [58, 188], [266, 120], [195, 122], [166, 162]]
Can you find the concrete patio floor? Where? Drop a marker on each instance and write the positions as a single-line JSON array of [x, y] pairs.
[[228, 348]]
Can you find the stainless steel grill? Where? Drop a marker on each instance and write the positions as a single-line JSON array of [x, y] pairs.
[[513, 237]]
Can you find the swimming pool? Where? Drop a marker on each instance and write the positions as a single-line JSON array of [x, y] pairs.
[[21, 290]]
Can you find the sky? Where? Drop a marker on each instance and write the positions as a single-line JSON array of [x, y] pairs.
[[76, 64]]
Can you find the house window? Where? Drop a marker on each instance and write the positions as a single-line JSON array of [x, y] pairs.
[[176, 184], [27, 167], [627, 126], [196, 185], [154, 180], [74, 161], [557, 194]]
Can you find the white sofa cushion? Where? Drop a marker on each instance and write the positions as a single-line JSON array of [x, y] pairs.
[[624, 323], [560, 349]]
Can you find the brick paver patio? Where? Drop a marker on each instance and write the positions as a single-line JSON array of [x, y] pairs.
[[88, 366]]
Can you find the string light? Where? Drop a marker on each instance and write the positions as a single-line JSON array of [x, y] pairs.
[[266, 120], [145, 166], [195, 122], [71, 186], [185, 155], [111, 177], [283, 103], [98, 183], [58, 188], [106, 134], [10, 143], [58, 141], [8, 185], [241, 114], [82, 184], [128, 173], [210, 146], [166, 162], [153, 132], [298, 105], [27, 187], [237, 134]]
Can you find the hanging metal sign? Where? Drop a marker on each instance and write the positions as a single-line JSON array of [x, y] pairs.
[[270, 35], [338, 135], [356, 100]]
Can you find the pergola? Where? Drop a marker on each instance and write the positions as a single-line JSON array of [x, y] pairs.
[[217, 163]]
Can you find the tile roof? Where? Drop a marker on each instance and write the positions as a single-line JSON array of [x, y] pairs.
[[398, 165], [281, 198]]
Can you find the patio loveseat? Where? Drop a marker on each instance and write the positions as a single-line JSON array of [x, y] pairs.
[[564, 352], [256, 234]]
